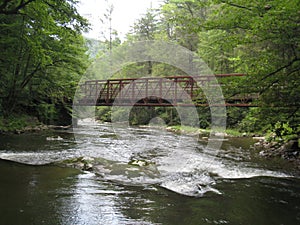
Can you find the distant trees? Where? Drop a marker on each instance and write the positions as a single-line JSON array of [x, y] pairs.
[[109, 34]]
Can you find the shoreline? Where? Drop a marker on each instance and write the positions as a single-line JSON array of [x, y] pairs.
[[289, 151], [26, 124], [37, 128]]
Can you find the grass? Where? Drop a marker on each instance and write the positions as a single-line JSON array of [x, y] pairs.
[[188, 129]]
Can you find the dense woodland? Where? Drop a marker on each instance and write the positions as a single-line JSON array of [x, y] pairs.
[[43, 55]]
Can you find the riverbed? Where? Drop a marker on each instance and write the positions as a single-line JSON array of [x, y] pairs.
[[143, 176]]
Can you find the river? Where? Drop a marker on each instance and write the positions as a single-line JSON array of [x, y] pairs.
[[143, 176]]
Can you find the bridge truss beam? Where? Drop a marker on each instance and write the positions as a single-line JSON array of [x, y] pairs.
[[156, 91]]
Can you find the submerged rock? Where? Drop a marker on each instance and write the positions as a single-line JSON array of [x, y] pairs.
[[136, 162], [135, 171], [81, 163]]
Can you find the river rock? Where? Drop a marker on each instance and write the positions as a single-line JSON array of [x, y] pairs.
[[54, 127], [289, 151], [220, 134], [58, 138], [259, 138]]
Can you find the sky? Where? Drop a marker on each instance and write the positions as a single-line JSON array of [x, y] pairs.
[[125, 13]]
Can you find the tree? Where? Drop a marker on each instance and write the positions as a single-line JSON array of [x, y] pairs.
[[109, 34], [43, 53], [258, 38], [182, 20], [10, 7], [265, 36], [145, 29]]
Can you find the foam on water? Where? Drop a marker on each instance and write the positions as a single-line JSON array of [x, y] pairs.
[[181, 164], [195, 173]]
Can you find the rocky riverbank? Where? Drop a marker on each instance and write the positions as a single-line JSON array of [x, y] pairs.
[[287, 150], [24, 124], [41, 127], [19, 124], [35, 128]]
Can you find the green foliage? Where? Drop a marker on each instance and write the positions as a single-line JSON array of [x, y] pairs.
[[168, 114], [42, 55], [235, 115], [103, 114], [256, 120], [141, 115], [264, 36], [282, 132], [260, 39], [147, 26], [46, 112], [181, 19], [234, 133], [16, 122], [120, 114]]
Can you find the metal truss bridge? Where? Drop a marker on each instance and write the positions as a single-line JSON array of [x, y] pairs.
[[162, 91]]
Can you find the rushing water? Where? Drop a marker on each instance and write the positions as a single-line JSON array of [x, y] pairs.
[[143, 176]]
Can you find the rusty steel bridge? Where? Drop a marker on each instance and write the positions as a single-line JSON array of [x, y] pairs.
[[159, 91]]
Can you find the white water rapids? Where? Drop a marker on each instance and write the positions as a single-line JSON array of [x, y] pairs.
[[143, 156]]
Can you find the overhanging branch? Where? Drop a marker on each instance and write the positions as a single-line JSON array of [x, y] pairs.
[[281, 68], [235, 5], [14, 10]]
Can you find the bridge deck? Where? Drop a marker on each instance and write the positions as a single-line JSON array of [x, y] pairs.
[[156, 91]]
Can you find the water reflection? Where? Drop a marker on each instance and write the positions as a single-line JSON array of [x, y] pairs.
[[53, 195], [28, 194], [94, 202]]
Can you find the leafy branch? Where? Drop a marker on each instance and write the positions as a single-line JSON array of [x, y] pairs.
[[281, 68], [5, 9]]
